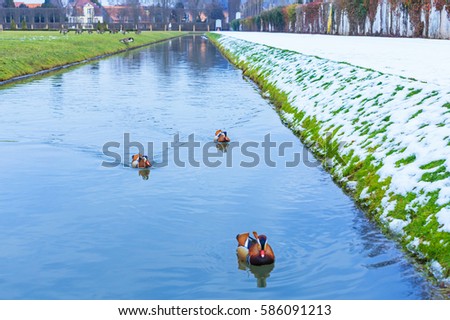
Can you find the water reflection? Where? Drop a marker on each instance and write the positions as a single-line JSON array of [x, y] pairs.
[[56, 95], [222, 146], [261, 273], [383, 255], [144, 173]]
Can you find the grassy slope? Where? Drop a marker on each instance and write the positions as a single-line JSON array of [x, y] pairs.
[[27, 52], [353, 165]]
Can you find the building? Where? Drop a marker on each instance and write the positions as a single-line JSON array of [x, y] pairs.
[[28, 5], [127, 14], [84, 12], [44, 15]]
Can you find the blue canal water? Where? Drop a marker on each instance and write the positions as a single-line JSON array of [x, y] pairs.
[[76, 222]]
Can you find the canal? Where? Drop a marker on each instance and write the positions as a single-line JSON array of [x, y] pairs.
[[76, 222]]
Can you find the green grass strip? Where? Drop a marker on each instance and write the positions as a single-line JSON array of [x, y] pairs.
[[28, 52]]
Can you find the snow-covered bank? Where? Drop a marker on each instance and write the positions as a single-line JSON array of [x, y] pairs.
[[384, 137], [421, 59]]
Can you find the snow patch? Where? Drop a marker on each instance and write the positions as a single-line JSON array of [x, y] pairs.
[[388, 55], [443, 218], [397, 225]]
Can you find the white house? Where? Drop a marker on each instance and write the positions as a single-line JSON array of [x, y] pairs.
[[84, 12]]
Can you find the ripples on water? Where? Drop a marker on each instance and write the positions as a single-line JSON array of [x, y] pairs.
[[72, 229]]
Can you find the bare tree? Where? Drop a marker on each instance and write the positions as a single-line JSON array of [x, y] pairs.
[[233, 7], [134, 8], [195, 7], [215, 10]]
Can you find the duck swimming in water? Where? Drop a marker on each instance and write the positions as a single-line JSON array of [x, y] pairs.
[[255, 251], [140, 161], [221, 136]]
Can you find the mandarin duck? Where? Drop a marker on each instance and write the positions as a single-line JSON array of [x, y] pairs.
[[221, 136], [255, 251], [140, 161]]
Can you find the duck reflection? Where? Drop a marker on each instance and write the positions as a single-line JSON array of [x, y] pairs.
[[261, 273], [222, 146], [144, 173]]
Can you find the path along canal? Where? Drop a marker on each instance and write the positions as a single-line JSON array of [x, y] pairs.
[[74, 227]]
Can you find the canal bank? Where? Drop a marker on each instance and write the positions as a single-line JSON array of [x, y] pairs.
[[28, 53], [383, 138]]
